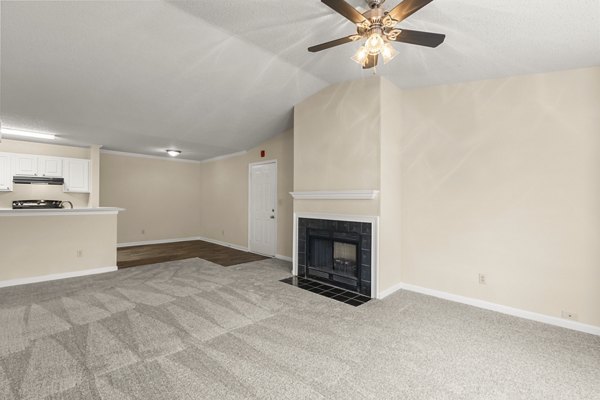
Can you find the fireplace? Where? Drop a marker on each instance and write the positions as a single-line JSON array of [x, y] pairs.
[[336, 252]]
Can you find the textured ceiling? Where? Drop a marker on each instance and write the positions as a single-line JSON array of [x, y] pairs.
[[216, 77]]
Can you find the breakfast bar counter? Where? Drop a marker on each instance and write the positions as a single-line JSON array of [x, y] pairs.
[[9, 212], [46, 244]]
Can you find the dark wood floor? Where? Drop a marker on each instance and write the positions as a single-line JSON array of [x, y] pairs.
[[157, 253]]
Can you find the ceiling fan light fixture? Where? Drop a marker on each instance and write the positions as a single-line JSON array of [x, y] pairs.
[[361, 55], [377, 27], [375, 43], [388, 53]]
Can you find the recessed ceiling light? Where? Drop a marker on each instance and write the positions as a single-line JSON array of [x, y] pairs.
[[23, 133], [173, 153]]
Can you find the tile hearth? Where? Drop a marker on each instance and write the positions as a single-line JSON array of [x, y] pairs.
[[345, 296]]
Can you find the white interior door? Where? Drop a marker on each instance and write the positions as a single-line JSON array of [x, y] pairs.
[[263, 208]]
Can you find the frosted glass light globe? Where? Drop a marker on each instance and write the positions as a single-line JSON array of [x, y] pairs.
[[388, 52], [374, 44], [361, 55]]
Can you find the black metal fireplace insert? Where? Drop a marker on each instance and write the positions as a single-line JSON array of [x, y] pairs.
[[336, 252]]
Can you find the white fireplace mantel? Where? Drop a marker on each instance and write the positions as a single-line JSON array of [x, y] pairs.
[[336, 195]]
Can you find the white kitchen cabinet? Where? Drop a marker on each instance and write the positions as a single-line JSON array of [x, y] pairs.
[[77, 175], [6, 184], [51, 167], [25, 165]]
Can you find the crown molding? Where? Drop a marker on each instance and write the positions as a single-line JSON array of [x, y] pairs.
[[164, 158], [137, 155], [223, 157]]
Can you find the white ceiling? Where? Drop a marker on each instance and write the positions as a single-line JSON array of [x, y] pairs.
[[216, 77]]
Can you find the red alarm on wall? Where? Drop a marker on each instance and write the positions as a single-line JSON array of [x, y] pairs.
[[263, 153]]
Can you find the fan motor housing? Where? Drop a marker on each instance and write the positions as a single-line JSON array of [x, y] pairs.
[[374, 14], [376, 18], [375, 3]]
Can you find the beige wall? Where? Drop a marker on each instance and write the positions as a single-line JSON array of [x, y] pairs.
[[94, 196], [499, 177], [171, 199], [346, 139], [390, 223], [224, 194], [502, 177], [160, 197], [43, 149], [336, 146], [52, 243], [35, 192]]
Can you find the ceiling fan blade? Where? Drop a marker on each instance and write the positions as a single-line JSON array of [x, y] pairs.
[[420, 38], [333, 43], [407, 8], [371, 61], [341, 7]]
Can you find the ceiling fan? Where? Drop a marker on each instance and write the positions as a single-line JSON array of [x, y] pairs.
[[378, 27]]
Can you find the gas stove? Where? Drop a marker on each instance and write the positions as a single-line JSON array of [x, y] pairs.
[[37, 204]]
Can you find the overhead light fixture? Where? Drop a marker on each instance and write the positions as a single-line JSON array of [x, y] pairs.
[[24, 133], [173, 153], [388, 53], [377, 28], [361, 55], [376, 44]]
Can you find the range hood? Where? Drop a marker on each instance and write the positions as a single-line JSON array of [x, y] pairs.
[[37, 180]]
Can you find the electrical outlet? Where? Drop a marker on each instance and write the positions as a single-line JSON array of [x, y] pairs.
[[79, 253], [143, 231], [481, 279], [568, 315]]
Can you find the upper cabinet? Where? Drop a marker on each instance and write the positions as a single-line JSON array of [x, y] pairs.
[[6, 176], [25, 165], [77, 175], [75, 171], [51, 167], [30, 165]]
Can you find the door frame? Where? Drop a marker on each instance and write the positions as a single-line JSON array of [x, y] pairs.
[[250, 165]]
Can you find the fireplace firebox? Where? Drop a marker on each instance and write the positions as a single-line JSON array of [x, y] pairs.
[[336, 252]]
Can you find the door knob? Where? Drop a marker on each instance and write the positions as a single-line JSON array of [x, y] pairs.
[[272, 217]]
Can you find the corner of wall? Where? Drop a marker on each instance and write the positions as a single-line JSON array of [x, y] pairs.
[[391, 238], [94, 198]]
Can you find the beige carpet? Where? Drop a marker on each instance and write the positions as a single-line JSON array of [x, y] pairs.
[[194, 330]]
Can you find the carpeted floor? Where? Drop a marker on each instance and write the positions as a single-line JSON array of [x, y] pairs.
[[193, 330]]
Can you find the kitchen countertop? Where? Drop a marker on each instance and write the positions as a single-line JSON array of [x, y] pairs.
[[9, 212]]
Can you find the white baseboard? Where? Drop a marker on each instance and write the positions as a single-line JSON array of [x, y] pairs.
[[54, 277], [226, 244], [187, 239], [516, 312], [205, 239], [160, 241], [385, 293]]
